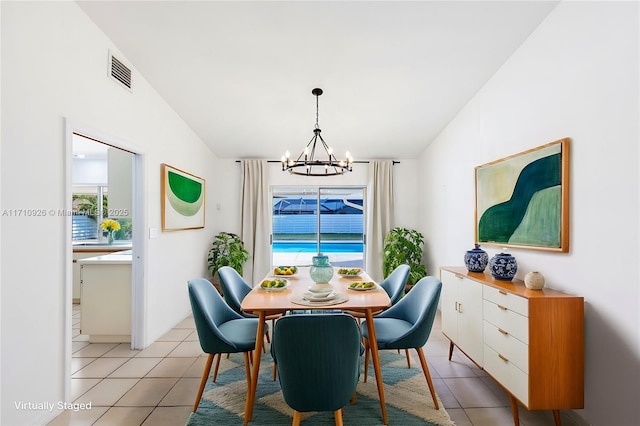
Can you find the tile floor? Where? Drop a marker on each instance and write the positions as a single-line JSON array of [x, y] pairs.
[[157, 385]]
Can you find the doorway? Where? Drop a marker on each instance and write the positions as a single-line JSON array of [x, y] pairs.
[[103, 188]]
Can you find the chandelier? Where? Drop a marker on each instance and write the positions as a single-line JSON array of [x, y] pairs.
[[316, 163]]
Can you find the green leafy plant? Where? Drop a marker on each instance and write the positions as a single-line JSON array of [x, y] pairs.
[[227, 249], [404, 246]]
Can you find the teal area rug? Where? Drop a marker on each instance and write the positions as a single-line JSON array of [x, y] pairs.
[[406, 393]]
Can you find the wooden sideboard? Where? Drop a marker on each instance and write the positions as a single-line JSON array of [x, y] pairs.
[[530, 341]]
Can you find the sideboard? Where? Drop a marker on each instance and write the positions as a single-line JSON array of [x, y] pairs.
[[530, 341]]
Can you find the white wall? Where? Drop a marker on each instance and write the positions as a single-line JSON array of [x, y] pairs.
[[230, 172], [54, 68], [576, 76]]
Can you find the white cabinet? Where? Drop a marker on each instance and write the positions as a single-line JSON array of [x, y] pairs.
[[461, 305], [77, 255], [106, 298], [531, 342]]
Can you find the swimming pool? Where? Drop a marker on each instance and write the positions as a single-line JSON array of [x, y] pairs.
[[311, 247]]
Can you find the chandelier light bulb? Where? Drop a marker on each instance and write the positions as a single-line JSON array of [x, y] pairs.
[[307, 159]]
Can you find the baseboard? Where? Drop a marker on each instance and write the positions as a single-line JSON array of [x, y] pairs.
[[575, 419]]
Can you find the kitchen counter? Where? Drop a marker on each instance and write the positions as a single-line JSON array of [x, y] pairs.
[[115, 258], [101, 247], [105, 297]]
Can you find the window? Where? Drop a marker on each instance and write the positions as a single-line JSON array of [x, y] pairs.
[[306, 221]]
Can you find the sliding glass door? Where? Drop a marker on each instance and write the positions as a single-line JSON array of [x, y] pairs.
[[310, 220]]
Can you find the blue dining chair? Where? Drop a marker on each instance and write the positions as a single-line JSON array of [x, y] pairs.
[[318, 358], [407, 324], [220, 329], [394, 286], [234, 290]]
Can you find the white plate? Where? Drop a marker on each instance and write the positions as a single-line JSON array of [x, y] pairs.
[[350, 275], [313, 298], [275, 288], [362, 289]]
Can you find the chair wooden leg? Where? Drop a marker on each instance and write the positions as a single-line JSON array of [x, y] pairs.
[[366, 359], [203, 382], [275, 371], [247, 370], [425, 369], [296, 418], [353, 398], [406, 351], [215, 370], [337, 415]]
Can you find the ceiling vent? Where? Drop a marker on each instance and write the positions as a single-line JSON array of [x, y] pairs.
[[119, 71]]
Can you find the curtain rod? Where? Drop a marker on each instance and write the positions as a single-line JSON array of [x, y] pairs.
[[355, 162]]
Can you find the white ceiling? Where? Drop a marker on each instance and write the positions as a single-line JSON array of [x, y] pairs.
[[240, 74]]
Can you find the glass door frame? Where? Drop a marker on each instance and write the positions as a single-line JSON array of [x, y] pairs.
[[318, 192]]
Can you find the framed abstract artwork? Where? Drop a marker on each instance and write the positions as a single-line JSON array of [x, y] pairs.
[[523, 200], [183, 196]]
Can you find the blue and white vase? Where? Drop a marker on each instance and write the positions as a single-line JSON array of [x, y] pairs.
[[503, 266], [476, 259]]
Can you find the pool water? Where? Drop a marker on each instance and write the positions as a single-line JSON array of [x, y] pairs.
[[311, 247]]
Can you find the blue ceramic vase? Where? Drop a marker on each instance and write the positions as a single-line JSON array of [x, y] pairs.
[[503, 266], [321, 271], [476, 260]]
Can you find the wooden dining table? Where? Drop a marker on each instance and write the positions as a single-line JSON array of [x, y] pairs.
[[263, 303]]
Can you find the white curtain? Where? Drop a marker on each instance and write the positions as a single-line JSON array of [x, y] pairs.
[[379, 213], [254, 228]]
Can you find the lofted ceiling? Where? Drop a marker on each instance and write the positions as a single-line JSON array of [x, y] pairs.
[[240, 74]]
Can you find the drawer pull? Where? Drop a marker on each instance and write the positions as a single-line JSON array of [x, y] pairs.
[[504, 308], [502, 331], [502, 292], [503, 358], [458, 276]]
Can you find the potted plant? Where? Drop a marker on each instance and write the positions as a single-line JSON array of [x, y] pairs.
[[404, 246], [227, 249]]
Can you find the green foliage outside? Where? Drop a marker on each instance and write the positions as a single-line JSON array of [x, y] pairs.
[[88, 206]]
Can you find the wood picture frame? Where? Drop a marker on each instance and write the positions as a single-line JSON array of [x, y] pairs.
[[523, 200], [183, 199]]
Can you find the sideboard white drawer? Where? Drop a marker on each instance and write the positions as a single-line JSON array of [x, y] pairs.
[[507, 373], [506, 345], [506, 319], [510, 301]]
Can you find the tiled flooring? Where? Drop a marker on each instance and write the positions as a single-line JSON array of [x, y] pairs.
[[157, 386]]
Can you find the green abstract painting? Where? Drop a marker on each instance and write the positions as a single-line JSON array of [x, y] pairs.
[[522, 200], [183, 197]]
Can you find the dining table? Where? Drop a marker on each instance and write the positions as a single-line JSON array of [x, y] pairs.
[[263, 302]]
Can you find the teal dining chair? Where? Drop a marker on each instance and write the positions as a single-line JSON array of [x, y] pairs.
[[408, 324], [318, 359], [394, 286], [220, 329], [234, 289]]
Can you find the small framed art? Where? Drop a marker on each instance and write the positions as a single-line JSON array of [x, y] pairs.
[[183, 199]]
